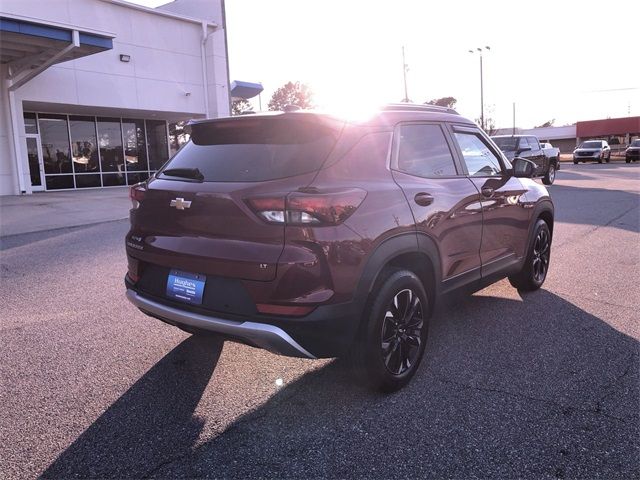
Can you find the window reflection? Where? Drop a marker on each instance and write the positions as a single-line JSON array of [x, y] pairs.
[[135, 148], [177, 137], [83, 144], [110, 142], [34, 162], [158, 147], [54, 137]]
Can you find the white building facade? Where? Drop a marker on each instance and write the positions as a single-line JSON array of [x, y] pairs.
[[92, 89]]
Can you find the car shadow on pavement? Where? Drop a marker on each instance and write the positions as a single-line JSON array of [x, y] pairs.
[[150, 423], [533, 387]]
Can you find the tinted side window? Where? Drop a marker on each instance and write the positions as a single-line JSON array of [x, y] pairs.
[[423, 151], [524, 143], [533, 142], [480, 160]]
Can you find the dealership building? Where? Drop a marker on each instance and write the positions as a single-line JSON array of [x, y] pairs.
[[92, 89]]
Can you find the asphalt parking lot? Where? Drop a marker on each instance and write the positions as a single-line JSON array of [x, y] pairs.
[[543, 385]]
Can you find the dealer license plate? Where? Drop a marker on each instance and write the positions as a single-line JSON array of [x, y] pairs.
[[186, 287]]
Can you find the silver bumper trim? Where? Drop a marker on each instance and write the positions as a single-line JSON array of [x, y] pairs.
[[264, 336]]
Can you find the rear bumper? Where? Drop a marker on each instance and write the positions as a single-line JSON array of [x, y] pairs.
[[268, 337]]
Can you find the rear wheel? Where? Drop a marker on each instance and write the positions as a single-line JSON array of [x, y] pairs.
[[550, 176], [536, 266], [394, 331]]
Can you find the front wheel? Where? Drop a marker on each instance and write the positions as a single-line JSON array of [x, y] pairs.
[[550, 176], [394, 332], [536, 266], [609, 158]]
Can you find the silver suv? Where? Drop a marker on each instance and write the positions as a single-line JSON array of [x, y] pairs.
[[592, 150]]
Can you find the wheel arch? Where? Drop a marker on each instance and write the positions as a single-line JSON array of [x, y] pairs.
[[415, 252]]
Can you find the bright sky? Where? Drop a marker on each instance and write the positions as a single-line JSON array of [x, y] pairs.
[[559, 59]]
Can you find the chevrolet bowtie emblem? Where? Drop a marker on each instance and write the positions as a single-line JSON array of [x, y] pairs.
[[180, 203]]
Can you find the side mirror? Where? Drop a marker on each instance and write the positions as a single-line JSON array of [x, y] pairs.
[[523, 168], [524, 149]]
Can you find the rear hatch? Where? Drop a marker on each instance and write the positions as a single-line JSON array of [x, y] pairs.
[[196, 215]]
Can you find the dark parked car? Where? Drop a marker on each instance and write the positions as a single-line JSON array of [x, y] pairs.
[[310, 236], [632, 153], [527, 146], [597, 150]]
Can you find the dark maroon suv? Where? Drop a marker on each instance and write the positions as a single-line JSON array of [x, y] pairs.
[[312, 236]]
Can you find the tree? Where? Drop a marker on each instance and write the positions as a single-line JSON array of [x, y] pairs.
[[489, 122], [548, 123], [449, 102], [240, 106], [489, 125], [291, 94]]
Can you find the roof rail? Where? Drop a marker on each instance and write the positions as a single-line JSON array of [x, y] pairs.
[[417, 107]]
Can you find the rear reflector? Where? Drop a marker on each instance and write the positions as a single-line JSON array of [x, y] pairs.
[[133, 269], [291, 310]]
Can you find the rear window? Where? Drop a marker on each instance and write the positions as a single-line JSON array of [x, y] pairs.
[[255, 150], [506, 144]]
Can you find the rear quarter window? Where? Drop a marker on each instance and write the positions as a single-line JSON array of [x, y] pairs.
[[255, 150]]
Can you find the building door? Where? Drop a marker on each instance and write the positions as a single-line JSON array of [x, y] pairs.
[[36, 167]]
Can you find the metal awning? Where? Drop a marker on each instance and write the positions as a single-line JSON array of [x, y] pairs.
[[245, 89], [26, 45]]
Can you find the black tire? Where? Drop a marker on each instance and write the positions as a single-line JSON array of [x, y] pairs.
[[575, 162], [609, 157], [536, 265], [599, 159], [394, 331], [627, 160], [550, 176]]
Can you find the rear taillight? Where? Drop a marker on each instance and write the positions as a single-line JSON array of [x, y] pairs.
[[297, 208], [136, 194]]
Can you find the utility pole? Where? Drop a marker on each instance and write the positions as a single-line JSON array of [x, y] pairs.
[[405, 67], [514, 118], [480, 49]]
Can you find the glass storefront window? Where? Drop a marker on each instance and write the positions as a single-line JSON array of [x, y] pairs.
[[84, 149], [111, 152], [158, 146], [30, 123], [135, 145], [54, 135]]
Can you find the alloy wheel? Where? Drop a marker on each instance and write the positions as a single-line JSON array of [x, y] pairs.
[[402, 330], [541, 253]]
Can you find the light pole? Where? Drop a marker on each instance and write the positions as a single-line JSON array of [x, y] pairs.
[[480, 50], [405, 67]]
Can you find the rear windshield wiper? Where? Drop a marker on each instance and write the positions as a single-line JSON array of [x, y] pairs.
[[191, 173]]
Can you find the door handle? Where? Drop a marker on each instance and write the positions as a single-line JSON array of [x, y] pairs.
[[487, 192], [423, 199]]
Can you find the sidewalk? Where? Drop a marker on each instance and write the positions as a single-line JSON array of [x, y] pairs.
[[51, 210]]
